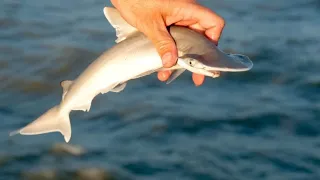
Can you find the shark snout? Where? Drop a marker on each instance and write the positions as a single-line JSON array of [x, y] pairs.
[[242, 59]]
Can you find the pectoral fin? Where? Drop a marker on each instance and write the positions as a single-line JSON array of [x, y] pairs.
[[114, 88], [175, 74], [144, 74], [119, 88]]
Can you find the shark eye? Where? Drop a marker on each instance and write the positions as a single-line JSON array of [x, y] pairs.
[[191, 62]]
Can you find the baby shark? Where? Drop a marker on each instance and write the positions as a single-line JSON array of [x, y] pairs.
[[132, 57]]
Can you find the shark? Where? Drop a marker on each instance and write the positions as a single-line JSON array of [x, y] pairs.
[[133, 56]]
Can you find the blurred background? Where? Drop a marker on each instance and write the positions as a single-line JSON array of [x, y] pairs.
[[261, 124]]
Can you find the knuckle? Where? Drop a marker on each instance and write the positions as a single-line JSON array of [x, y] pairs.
[[217, 19], [221, 22], [159, 36], [163, 45]]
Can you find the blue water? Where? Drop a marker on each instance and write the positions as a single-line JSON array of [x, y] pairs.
[[261, 124]]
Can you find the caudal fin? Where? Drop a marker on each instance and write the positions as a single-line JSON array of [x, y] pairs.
[[51, 121]]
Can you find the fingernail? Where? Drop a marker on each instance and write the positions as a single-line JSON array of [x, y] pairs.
[[197, 85], [164, 76], [167, 59]]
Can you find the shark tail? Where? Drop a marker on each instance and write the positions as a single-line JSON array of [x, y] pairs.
[[53, 120]]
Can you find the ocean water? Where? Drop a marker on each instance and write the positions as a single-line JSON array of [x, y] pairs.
[[261, 124]]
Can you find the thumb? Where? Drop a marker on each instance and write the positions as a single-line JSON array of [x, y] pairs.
[[163, 42]]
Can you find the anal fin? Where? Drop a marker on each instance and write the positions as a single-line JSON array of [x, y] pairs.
[[84, 107]]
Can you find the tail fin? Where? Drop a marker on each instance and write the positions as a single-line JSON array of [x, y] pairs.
[[51, 121]]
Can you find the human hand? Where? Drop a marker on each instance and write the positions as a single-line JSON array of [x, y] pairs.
[[152, 17]]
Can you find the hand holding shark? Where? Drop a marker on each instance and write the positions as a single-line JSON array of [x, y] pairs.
[[152, 17]]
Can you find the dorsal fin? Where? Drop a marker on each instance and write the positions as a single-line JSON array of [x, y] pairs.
[[123, 29]]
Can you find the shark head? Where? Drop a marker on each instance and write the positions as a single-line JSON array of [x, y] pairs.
[[198, 52], [207, 65]]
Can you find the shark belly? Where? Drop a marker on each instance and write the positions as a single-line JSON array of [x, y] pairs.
[[116, 66]]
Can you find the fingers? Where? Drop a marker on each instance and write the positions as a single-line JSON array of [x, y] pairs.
[[212, 23], [197, 28], [198, 79], [165, 45], [164, 75], [153, 17], [198, 18], [156, 30]]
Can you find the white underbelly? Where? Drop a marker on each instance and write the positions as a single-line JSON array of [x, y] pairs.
[[106, 74]]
